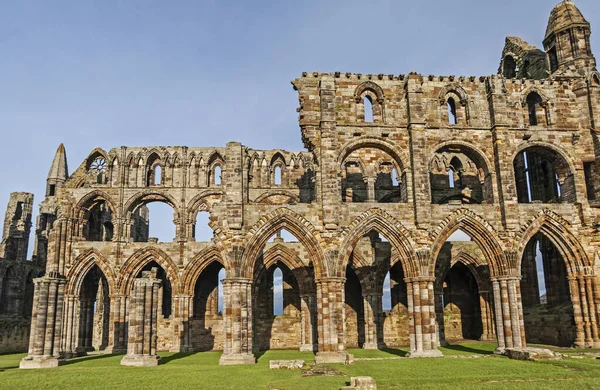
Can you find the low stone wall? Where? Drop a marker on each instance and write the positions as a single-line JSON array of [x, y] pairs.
[[550, 325], [278, 332], [395, 325], [14, 335]]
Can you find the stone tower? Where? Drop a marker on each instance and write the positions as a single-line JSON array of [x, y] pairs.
[[567, 40], [17, 225]]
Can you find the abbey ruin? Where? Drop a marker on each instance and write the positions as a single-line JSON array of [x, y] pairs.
[[394, 165]]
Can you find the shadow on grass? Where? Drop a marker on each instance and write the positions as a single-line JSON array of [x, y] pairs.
[[175, 356], [87, 358], [258, 355], [8, 368], [393, 351], [465, 348]]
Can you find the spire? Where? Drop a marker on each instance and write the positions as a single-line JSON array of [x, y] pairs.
[[59, 171]]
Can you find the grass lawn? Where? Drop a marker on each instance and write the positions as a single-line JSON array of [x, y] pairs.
[[202, 371]]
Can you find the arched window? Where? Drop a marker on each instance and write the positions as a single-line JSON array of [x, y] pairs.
[[220, 290], [451, 177], [277, 175], [386, 299], [217, 175], [277, 292], [510, 67], [451, 111], [368, 104], [202, 230], [533, 102], [553, 59], [157, 175], [543, 175]]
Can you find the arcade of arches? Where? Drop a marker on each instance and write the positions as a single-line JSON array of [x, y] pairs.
[[348, 244]]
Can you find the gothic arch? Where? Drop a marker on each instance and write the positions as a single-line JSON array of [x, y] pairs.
[[97, 152], [291, 260], [199, 203], [558, 230], [379, 220], [93, 195], [528, 91], [479, 230], [132, 267], [83, 264], [283, 218], [473, 151], [194, 269]]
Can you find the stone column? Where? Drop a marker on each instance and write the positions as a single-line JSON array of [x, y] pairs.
[[183, 315], [331, 319], [308, 326], [487, 316], [46, 323], [117, 343], [370, 189], [143, 318], [439, 317], [577, 314], [237, 322], [509, 313], [371, 304], [70, 326], [596, 293], [423, 340]]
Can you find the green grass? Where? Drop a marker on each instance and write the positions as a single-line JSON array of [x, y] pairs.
[[202, 371]]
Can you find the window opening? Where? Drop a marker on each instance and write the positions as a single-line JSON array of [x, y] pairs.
[[451, 177], [217, 175], [451, 111], [277, 292], [157, 175], [386, 299], [368, 104], [277, 175], [395, 181], [220, 290]]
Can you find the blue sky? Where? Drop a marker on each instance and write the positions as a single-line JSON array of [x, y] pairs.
[[202, 73]]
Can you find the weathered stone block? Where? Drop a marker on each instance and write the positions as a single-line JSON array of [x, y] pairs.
[[286, 364], [532, 354]]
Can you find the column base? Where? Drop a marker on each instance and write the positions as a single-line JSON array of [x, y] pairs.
[[140, 360], [308, 348], [429, 353], [29, 362], [596, 344], [114, 350], [237, 359], [334, 357], [499, 351], [370, 346]]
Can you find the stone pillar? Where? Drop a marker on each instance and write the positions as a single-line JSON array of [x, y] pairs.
[[370, 189], [509, 313], [596, 293], [183, 315], [70, 326], [577, 314], [423, 340], [371, 304], [46, 323], [487, 316], [439, 317], [117, 342], [143, 318], [331, 319], [308, 326], [237, 322]]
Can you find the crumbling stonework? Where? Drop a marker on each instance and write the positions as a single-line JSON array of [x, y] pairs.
[[512, 160]]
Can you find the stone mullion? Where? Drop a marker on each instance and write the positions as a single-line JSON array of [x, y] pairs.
[[237, 321], [577, 313]]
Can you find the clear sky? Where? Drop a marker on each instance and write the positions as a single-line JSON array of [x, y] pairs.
[[202, 73]]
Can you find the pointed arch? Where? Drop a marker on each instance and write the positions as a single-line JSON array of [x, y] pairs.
[[479, 230], [93, 196], [197, 265], [291, 260], [384, 223], [134, 264], [284, 218], [83, 264], [558, 231]]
